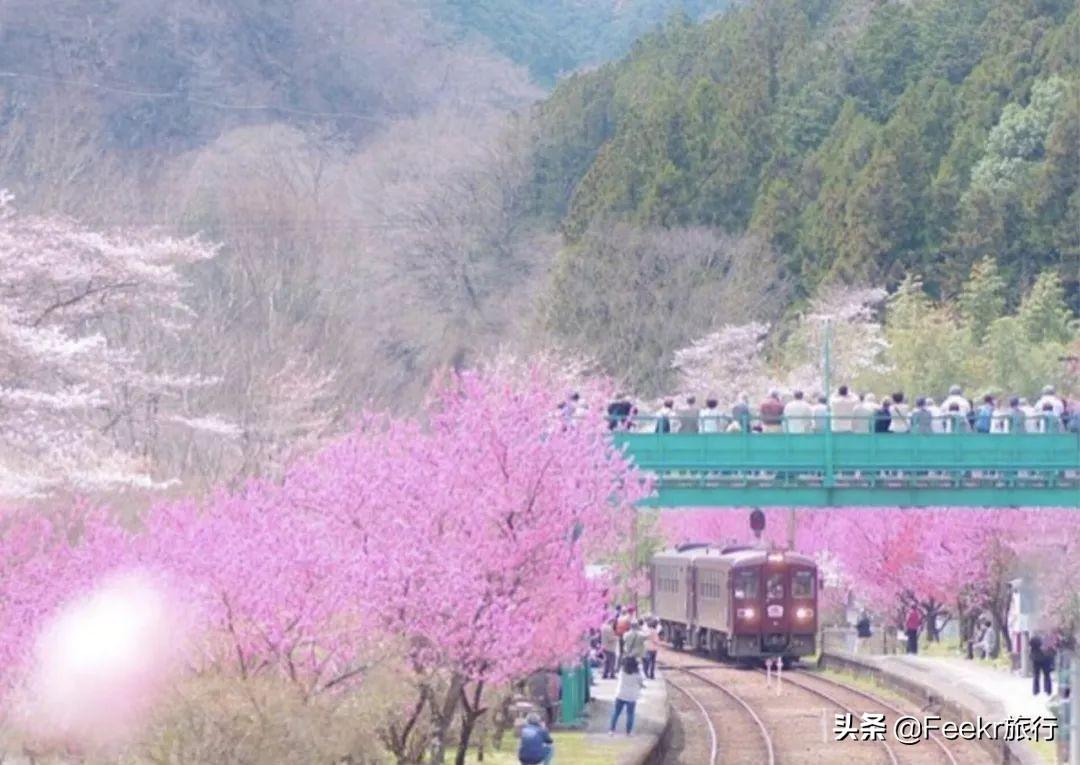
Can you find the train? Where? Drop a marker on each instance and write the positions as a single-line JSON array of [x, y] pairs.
[[740, 602]]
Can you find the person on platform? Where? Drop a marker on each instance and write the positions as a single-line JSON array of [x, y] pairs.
[[1001, 419], [710, 419], [956, 420], [652, 647], [862, 420], [984, 415], [665, 417], [798, 414], [863, 633], [843, 407], [1049, 421], [1049, 396], [634, 645], [688, 416], [627, 693], [771, 412], [619, 413], [1017, 416], [821, 413], [536, 747], [956, 396], [1042, 665], [922, 422], [937, 419], [900, 422], [912, 625], [986, 646], [1031, 424], [622, 627], [740, 413], [609, 643], [883, 416]]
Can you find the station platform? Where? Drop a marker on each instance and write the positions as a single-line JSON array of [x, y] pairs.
[[650, 722], [991, 687], [956, 688]]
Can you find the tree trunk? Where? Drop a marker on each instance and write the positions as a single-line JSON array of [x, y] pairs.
[[471, 711], [443, 715]]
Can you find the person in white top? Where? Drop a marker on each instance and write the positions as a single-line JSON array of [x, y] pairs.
[[900, 411], [798, 414], [1050, 397], [627, 693], [666, 421], [820, 411], [956, 396], [937, 422], [1031, 416], [1000, 420], [843, 407], [710, 418], [863, 418]]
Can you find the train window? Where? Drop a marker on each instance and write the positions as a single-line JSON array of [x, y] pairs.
[[802, 584], [774, 586], [746, 584]]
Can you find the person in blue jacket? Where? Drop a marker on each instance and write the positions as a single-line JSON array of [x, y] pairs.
[[537, 746]]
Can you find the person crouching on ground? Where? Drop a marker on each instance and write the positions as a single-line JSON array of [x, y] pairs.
[[627, 693], [537, 746]]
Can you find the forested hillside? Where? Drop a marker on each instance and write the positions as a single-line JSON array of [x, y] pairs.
[[552, 37], [863, 141]]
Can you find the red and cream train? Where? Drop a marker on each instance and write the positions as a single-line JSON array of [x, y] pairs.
[[738, 602]]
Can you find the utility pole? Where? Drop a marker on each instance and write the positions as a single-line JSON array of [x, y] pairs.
[[634, 557], [828, 479]]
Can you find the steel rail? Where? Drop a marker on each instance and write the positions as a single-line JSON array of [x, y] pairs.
[[715, 743], [762, 729], [870, 697]]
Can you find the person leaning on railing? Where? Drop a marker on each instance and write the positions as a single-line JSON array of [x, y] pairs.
[[798, 415]]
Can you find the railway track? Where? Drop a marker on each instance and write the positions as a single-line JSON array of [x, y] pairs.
[[754, 724], [745, 744]]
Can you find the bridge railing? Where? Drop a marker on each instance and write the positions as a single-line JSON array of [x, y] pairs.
[[951, 424], [827, 467]]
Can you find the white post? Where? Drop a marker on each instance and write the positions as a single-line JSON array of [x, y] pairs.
[[1074, 710], [779, 676]]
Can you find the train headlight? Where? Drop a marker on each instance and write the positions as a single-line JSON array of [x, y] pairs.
[[802, 614], [746, 613]]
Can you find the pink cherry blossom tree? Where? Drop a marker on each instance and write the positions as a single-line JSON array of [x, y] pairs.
[[459, 540]]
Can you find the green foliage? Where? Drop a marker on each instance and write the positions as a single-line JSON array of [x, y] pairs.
[[982, 301], [552, 37], [981, 345], [864, 141]]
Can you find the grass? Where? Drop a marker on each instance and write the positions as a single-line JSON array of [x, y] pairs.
[[570, 747]]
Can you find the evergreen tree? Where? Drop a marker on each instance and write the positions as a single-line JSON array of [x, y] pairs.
[[1043, 315], [982, 301]]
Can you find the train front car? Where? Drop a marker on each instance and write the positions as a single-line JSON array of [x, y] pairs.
[[784, 605]]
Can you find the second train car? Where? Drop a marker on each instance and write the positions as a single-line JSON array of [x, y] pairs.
[[738, 602]]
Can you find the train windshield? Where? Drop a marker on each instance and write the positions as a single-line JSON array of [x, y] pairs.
[[802, 584], [774, 586], [746, 584]]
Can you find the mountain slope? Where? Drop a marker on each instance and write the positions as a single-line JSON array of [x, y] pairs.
[[863, 140], [551, 37]]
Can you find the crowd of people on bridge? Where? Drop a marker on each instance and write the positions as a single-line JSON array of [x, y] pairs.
[[845, 412]]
